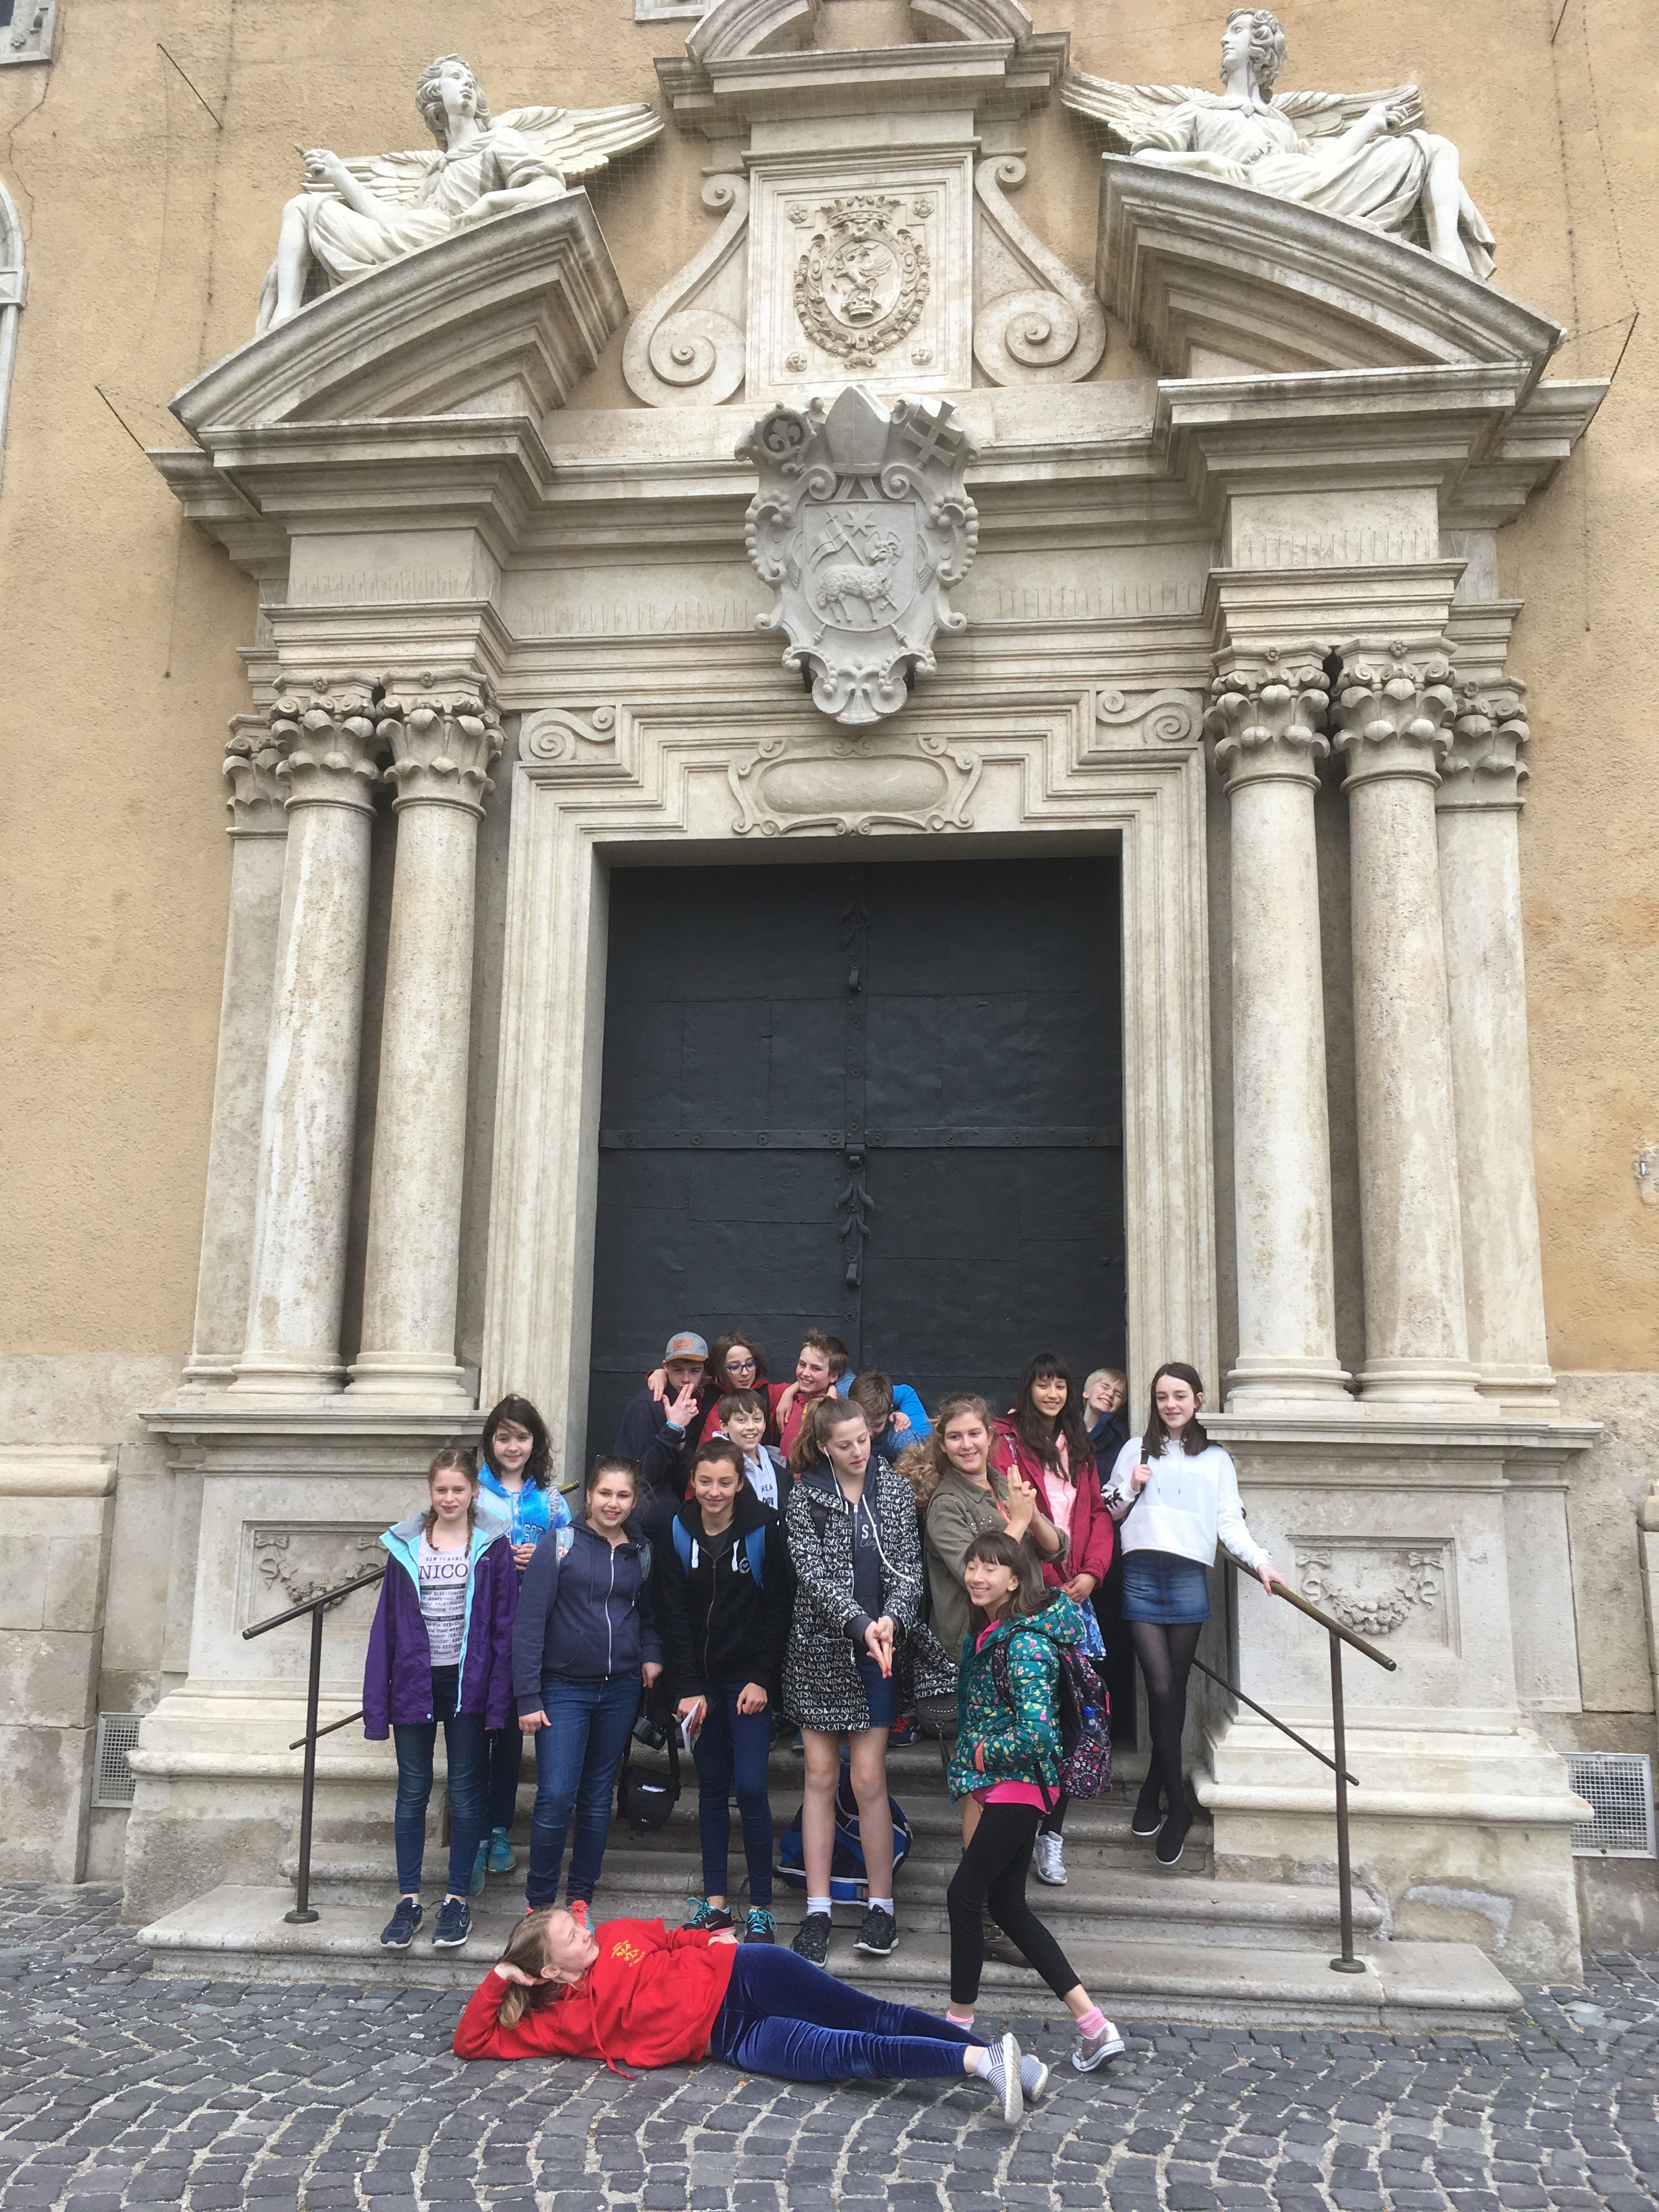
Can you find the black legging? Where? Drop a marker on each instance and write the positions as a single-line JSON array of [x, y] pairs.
[[1165, 1652], [992, 1878]]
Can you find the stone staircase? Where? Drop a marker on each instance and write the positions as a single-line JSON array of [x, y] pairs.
[[1147, 1942]]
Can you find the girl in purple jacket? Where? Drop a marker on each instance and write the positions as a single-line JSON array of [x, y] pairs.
[[441, 1651]]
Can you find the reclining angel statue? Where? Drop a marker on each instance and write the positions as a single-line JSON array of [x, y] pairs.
[[353, 216], [1366, 158]]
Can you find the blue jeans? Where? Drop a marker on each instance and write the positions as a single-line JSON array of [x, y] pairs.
[[503, 1749], [464, 1748], [730, 1756], [577, 1756], [784, 2016]]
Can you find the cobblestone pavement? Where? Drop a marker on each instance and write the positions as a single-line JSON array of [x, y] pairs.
[[121, 2091]]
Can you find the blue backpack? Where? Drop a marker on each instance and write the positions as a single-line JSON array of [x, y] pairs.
[[848, 1884], [754, 1544]]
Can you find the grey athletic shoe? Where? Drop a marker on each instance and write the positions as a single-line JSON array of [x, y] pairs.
[[1002, 2078], [812, 1938], [1033, 2078], [1051, 1861], [1088, 2050]]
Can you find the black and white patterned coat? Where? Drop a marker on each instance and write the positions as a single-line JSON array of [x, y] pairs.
[[821, 1684]]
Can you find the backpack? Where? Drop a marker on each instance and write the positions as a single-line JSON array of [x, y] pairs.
[[645, 1798], [847, 1882], [1085, 1715], [754, 1544]]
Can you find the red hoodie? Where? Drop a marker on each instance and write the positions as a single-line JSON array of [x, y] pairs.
[[649, 1999]]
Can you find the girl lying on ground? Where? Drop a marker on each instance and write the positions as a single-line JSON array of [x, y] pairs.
[[635, 1993]]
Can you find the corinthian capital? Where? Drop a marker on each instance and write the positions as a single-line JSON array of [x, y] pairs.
[[1266, 716], [446, 736], [328, 736], [1486, 765], [256, 799], [1393, 706]]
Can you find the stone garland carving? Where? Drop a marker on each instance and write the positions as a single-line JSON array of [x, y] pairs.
[[863, 280], [853, 785], [294, 1564], [1052, 333], [861, 524], [354, 215], [553, 734], [1364, 157], [678, 352], [1416, 1582], [1169, 718]]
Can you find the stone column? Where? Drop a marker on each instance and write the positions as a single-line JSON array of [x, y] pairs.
[[258, 833], [1478, 810], [1266, 716], [443, 738], [1392, 709], [329, 738]]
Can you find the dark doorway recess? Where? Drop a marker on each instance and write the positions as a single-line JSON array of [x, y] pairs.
[[882, 1100]]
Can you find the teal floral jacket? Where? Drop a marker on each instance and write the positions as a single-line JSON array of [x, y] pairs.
[[1023, 1745]]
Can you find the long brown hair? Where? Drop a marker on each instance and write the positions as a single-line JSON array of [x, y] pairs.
[[526, 1949], [461, 1457], [523, 1415], [997, 1547], [1193, 1436], [1035, 1431], [822, 1415], [939, 1465]]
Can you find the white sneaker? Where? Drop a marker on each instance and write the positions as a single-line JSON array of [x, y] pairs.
[[1051, 1861]]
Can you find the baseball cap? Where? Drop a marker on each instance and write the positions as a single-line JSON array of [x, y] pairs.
[[686, 1346]]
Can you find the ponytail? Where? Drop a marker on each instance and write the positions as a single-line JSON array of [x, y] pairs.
[[526, 1949], [822, 1415]]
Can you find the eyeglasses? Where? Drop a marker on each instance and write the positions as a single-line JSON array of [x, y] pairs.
[[739, 1366]]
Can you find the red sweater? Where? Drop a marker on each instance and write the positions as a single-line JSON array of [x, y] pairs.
[[1093, 1534], [649, 1999]]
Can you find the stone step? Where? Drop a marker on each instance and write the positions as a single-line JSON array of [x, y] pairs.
[[1145, 1903], [238, 1935]]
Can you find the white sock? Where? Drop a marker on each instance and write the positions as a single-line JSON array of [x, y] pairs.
[[818, 1904], [881, 1905], [982, 2060]]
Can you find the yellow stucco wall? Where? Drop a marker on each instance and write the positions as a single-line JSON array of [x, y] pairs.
[[150, 220]]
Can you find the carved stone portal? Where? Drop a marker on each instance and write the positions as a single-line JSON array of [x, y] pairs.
[[862, 523]]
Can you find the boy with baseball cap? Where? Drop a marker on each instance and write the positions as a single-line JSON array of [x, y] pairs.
[[662, 1435]]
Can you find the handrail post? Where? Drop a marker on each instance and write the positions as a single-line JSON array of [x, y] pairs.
[[304, 1911], [1347, 1964]]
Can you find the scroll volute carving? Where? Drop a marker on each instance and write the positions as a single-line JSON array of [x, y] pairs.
[[1049, 329], [686, 347]]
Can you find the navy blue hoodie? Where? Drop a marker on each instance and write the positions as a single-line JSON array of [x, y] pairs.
[[583, 1613]]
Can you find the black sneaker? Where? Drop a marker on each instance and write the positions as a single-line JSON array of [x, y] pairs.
[[759, 1926], [1146, 1819], [812, 1938], [454, 1924], [878, 1933], [1172, 1838], [714, 1918], [399, 1931]]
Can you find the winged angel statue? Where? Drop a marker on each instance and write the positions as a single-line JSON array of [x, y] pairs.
[[353, 216], [1361, 156]]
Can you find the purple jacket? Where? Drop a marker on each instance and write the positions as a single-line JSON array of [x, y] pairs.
[[397, 1672]]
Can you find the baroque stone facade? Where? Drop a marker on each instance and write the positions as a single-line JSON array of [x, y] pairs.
[[1235, 619]]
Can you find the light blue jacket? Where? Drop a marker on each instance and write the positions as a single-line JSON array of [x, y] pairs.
[[533, 1511]]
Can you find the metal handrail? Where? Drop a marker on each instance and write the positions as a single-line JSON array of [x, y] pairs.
[[1346, 1963], [304, 1911]]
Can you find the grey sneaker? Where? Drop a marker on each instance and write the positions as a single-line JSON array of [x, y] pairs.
[[878, 1933], [1051, 1861], [454, 1924], [1033, 2078], [399, 1931], [1002, 2078], [1088, 2050], [812, 1938]]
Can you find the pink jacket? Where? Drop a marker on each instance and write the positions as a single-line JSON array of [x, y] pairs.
[[1093, 1534]]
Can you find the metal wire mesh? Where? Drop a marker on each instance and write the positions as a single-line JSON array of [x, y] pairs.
[[1618, 1784], [112, 1778]]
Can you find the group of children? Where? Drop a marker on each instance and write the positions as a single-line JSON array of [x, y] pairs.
[[821, 1551]]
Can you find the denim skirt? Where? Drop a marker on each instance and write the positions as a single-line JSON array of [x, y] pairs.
[[1162, 1587]]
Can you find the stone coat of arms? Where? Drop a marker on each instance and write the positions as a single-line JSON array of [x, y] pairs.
[[863, 281], [862, 523]]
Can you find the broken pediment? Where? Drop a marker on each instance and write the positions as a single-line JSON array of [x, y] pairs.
[[501, 319]]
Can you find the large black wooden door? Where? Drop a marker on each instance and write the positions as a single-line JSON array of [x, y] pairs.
[[884, 1100]]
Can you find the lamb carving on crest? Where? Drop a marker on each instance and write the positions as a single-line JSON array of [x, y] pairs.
[[1364, 157], [354, 215]]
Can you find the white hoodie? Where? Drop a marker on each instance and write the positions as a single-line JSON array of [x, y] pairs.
[[1191, 1500]]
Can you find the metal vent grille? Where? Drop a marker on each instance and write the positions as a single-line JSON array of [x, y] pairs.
[[1618, 1784], [112, 1779]]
